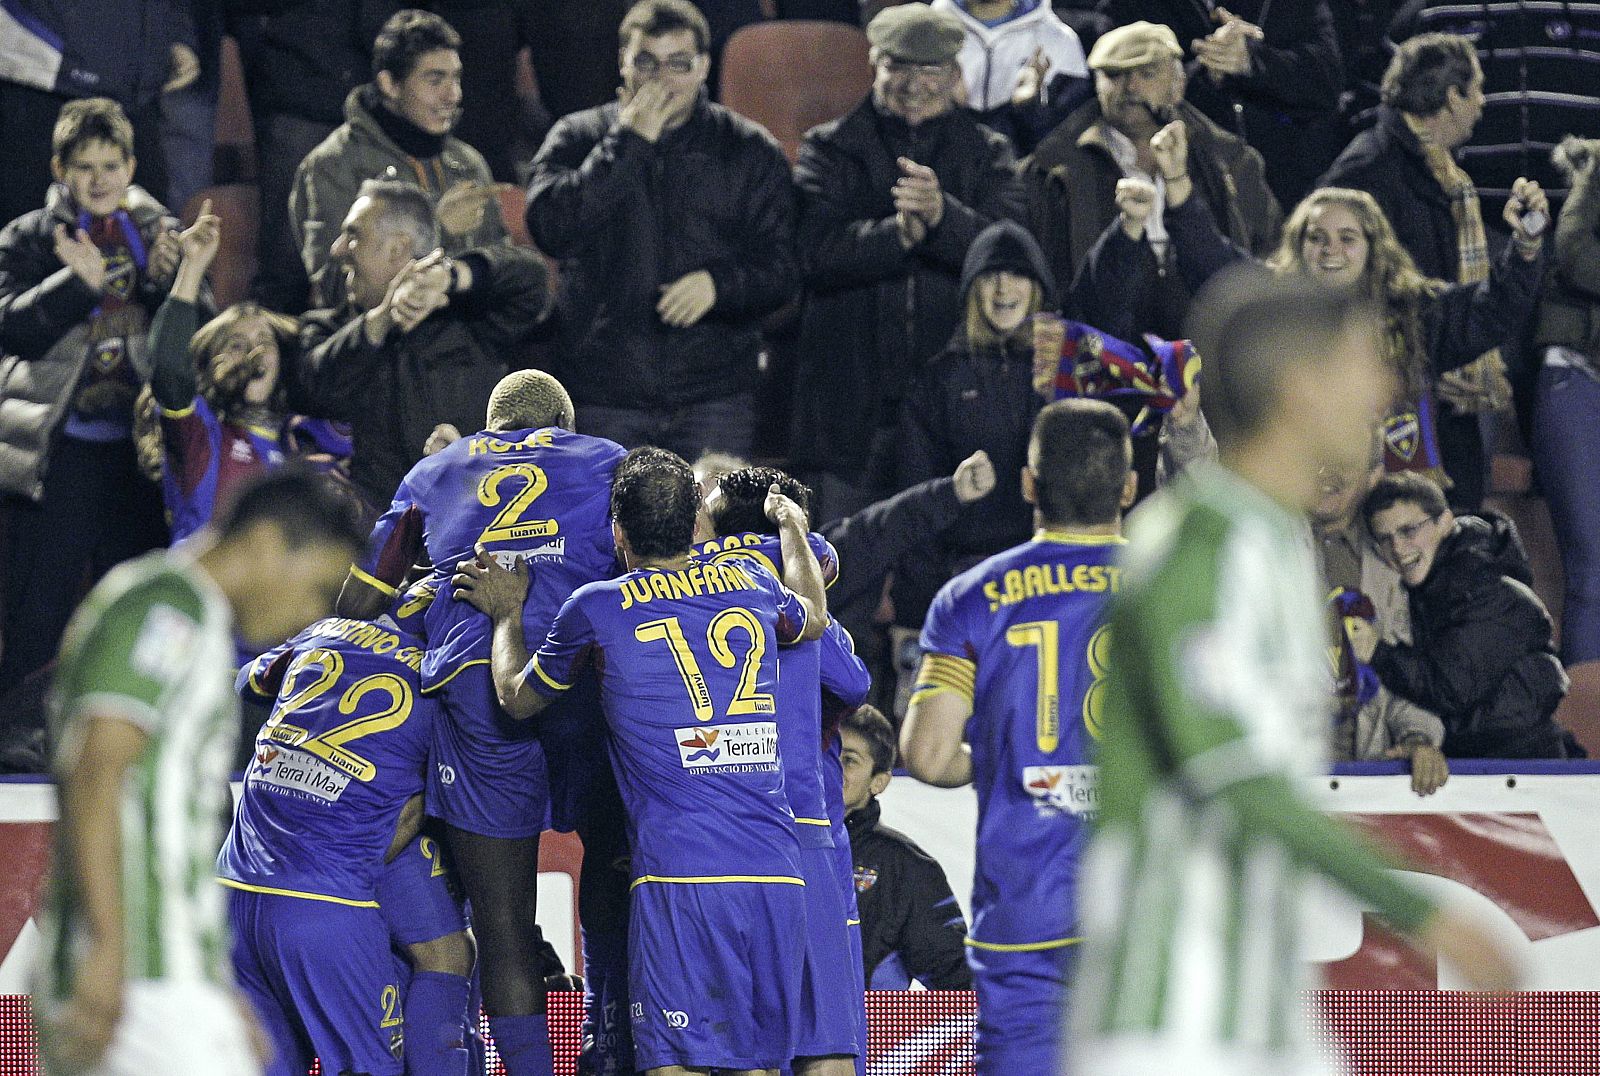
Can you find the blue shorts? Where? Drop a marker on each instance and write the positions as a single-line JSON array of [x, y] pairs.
[[320, 977], [488, 774], [714, 973], [827, 1022], [417, 894], [1022, 999]]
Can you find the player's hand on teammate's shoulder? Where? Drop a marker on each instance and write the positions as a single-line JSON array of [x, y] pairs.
[[490, 588], [974, 477], [783, 511]]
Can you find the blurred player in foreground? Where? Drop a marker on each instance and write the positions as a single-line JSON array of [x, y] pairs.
[[1216, 707], [133, 975]]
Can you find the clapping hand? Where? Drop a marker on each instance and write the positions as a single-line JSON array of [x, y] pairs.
[[1135, 200], [78, 253], [1226, 51]]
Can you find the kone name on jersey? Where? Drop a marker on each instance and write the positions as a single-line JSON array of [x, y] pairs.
[[482, 446], [1043, 580], [369, 636], [696, 580]]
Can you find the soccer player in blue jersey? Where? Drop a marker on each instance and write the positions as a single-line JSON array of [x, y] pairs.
[[344, 752], [687, 653], [526, 490], [1008, 699], [830, 1035]]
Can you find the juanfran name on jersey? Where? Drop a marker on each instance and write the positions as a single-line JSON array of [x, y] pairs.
[[1073, 790], [749, 747]]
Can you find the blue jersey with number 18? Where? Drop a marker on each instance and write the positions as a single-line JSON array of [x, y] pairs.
[[542, 495], [688, 663], [1020, 636], [345, 747]]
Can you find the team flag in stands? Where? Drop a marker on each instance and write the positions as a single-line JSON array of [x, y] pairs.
[[1355, 677], [1096, 364]]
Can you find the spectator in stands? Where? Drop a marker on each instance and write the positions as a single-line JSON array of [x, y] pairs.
[[976, 395], [1267, 70], [130, 51], [1370, 721], [1072, 177], [1540, 62], [420, 337], [397, 127], [1342, 238], [1432, 100], [891, 197], [1481, 655], [911, 925], [1567, 407], [301, 62], [1022, 68], [79, 280], [872, 542], [674, 220], [215, 412]]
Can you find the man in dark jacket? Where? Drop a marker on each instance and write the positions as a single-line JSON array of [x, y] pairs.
[[1071, 178], [1432, 95], [891, 197], [1270, 72], [417, 343], [1481, 655], [674, 222], [911, 924]]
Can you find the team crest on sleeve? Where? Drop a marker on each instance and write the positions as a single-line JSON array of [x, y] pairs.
[[741, 748]]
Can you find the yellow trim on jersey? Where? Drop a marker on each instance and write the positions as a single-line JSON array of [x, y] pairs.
[[1074, 538], [231, 884], [554, 686], [457, 671], [944, 672], [769, 879], [852, 922], [256, 685], [375, 584], [181, 412], [813, 821], [1023, 947]]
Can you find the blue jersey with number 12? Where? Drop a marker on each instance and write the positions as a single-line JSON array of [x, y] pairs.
[[688, 663], [802, 668], [1020, 636], [542, 495], [345, 747]]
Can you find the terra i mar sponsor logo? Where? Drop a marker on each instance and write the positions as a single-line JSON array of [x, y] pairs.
[[1072, 789], [747, 746]]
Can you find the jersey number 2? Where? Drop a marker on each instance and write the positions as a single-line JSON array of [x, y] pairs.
[[330, 745], [509, 526]]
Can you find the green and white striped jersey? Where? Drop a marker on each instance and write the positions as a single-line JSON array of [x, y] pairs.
[[152, 645], [1217, 704]]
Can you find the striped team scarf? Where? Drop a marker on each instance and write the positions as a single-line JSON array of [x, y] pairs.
[[1481, 384], [1094, 364]]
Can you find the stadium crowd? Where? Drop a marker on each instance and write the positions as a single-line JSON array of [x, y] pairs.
[[730, 435]]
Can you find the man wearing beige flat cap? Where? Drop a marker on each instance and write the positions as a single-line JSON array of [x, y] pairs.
[[891, 195], [1071, 179]]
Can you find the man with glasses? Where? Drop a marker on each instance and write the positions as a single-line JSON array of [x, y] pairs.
[[673, 219], [891, 197], [1481, 654]]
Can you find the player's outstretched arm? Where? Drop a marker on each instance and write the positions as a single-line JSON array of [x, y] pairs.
[[801, 572], [499, 593], [932, 741]]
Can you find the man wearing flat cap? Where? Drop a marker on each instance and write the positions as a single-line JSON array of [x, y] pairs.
[[891, 195], [1071, 178]]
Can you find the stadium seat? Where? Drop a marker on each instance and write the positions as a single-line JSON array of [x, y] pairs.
[[790, 76], [239, 207]]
